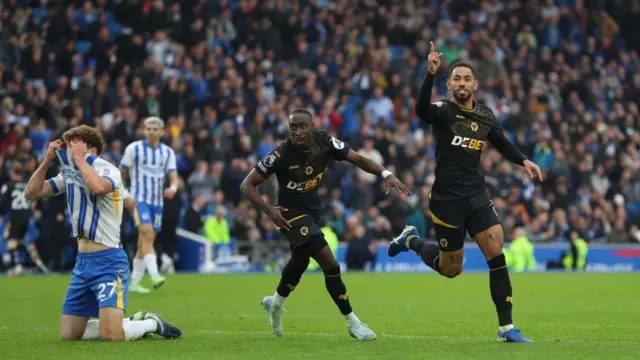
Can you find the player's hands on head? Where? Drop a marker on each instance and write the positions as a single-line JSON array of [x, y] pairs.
[[393, 182], [51, 151], [434, 59], [275, 214], [533, 170], [78, 149]]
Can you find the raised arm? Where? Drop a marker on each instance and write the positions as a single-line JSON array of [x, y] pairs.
[[424, 108], [38, 187], [365, 163], [374, 168], [97, 184]]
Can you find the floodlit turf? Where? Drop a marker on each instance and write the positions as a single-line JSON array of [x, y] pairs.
[[416, 316]]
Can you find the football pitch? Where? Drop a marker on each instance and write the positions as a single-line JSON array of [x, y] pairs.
[[416, 316]]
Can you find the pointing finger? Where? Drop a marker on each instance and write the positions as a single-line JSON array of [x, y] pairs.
[[432, 47]]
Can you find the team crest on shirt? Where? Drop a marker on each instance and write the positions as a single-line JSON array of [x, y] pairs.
[[304, 231], [444, 243], [105, 171], [73, 175], [474, 126], [308, 170], [337, 143], [269, 160]]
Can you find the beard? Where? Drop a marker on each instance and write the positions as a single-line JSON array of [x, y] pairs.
[[462, 96]]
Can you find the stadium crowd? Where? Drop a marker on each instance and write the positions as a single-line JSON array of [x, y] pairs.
[[561, 76]]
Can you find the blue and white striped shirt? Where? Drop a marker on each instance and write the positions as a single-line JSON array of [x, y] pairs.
[[148, 167], [96, 218]]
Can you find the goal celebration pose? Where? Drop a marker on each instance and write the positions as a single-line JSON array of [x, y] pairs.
[[299, 164], [459, 202]]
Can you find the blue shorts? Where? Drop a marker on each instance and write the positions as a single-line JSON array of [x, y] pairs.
[[100, 280], [148, 214]]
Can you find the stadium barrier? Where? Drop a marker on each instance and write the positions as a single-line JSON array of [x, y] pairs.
[[197, 254]]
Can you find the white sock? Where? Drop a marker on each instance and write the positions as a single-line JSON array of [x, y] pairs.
[[92, 331], [505, 328], [351, 317], [278, 299], [134, 330], [151, 261], [138, 272]]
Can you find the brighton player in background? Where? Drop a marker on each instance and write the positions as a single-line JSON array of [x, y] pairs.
[[459, 202], [144, 165], [98, 287]]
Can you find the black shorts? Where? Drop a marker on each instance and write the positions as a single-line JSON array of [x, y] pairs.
[[305, 235], [453, 219], [16, 229]]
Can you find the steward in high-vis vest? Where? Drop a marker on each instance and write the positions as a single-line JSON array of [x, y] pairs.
[[520, 256], [576, 259], [332, 240]]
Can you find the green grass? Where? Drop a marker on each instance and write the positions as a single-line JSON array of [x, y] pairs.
[[416, 316]]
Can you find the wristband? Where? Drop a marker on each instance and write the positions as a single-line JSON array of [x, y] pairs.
[[386, 173], [174, 188]]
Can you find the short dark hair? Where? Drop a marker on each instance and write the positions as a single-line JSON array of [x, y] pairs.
[[90, 136], [302, 111], [462, 64]]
